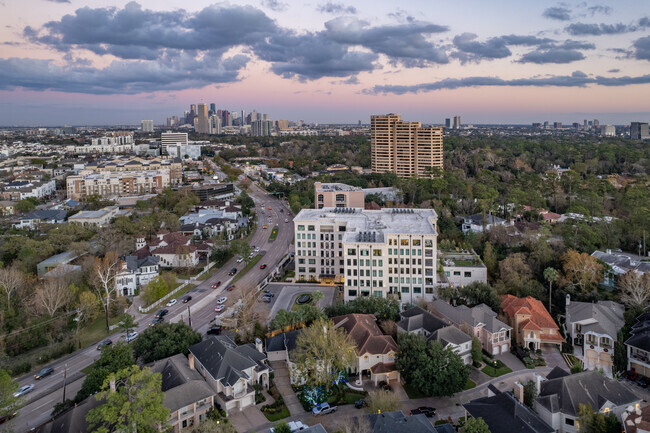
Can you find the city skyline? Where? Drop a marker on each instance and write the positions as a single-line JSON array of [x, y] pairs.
[[106, 62]]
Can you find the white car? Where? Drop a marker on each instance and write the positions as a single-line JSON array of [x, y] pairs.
[[222, 300], [172, 302], [294, 426], [24, 390], [257, 249], [239, 260], [131, 336]]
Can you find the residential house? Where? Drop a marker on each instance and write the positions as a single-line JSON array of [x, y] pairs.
[[560, 395], [375, 351], [530, 321], [55, 261], [545, 214], [97, 218], [593, 329], [7, 208], [280, 347], [212, 222], [419, 321], [43, 216], [173, 249], [619, 264], [135, 273], [230, 370], [479, 321], [503, 413], [461, 268], [397, 422], [637, 420], [187, 395], [638, 346], [475, 223]]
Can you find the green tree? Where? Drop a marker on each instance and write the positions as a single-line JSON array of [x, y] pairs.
[[134, 406], [322, 352], [581, 271], [211, 426], [490, 258], [596, 422], [577, 367], [240, 248], [475, 425], [379, 401], [477, 351], [113, 359], [127, 323], [317, 296], [550, 275], [246, 202], [281, 427], [164, 340], [8, 403], [283, 318], [429, 368], [530, 393], [382, 308], [25, 205], [154, 290], [480, 293]]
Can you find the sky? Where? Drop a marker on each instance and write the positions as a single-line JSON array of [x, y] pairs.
[[102, 62]]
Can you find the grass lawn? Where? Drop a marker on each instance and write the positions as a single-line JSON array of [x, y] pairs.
[[186, 275], [96, 330], [295, 305], [351, 397], [274, 234], [288, 274], [278, 415], [208, 274], [500, 370], [254, 261], [470, 384], [412, 392]]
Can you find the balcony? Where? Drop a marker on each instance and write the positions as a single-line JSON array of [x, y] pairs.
[[640, 356]]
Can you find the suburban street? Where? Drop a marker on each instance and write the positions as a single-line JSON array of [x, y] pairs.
[[49, 390]]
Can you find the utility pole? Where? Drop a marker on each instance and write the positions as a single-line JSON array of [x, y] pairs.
[[65, 375], [189, 316]]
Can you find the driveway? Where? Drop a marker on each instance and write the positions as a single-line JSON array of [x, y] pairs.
[[283, 383], [248, 419], [511, 361], [553, 357], [287, 294]]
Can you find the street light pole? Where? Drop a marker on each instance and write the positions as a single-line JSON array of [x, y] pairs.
[[65, 376], [189, 316]]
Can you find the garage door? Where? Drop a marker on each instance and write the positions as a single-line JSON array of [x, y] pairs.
[[495, 350]]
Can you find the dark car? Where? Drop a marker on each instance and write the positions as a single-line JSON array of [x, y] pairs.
[[217, 284], [384, 386], [230, 287], [232, 272], [187, 299], [360, 403], [161, 313], [642, 381], [44, 372], [425, 410], [215, 330], [263, 266], [267, 293], [266, 299], [156, 321], [104, 343]]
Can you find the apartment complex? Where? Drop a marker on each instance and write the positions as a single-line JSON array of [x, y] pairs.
[[110, 184], [402, 147], [114, 164], [338, 195], [372, 252], [173, 138], [639, 131]]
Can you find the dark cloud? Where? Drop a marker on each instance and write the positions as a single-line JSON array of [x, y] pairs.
[[614, 71], [337, 8], [580, 29], [352, 80], [599, 9], [553, 55], [642, 48], [275, 5], [59, 1], [472, 50], [557, 13], [577, 79]]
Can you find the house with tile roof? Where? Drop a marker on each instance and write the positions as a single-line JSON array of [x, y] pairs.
[[560, 395], [375, 351], [638, 346], [593, 330], [637, 420], [480, 322], [174, 250], [418, 320], [230, 370], [530, 321]]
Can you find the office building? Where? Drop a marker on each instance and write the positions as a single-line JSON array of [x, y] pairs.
[[456, 122], [283, 124], [385, 253], [448, 123], [175, 138], [261, 128], [608, 131], [147, 126], [202, 126], [639, 131], [215, 124], [557, 125], [213, 108], [338, 195], [116, 184], [184, 151], [402, 147]]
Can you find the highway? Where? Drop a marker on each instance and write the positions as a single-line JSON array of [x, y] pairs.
[[49, 390]]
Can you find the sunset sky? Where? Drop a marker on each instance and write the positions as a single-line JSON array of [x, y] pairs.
[[102, 62]]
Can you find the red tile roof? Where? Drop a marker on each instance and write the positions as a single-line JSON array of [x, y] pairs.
[[363, 329], [538, 314]]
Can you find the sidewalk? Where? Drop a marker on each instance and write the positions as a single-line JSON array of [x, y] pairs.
[[283, 383]]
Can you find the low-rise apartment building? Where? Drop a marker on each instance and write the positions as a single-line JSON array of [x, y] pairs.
[[22, 189], [111, 184], [98, 218], [461, 268], [113, 164], [387, 252]]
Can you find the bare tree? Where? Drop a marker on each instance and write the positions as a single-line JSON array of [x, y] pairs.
[[103, 280], [357, 424], [87, 306], [635, 289], [11, 280], [52, 295]]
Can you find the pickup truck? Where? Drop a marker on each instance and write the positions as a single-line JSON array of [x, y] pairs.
[[323, 409], [294, 426]]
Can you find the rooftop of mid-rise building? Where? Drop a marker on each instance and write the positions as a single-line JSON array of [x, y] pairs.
[[335, 187]]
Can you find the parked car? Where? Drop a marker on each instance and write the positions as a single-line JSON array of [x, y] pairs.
[[270, 208], [104, 343], [384, 386], [360, 403], [251, 255], [215, 330], [232, 272], [263, 266], [426, 410], [642, 381], [265, 226], [266, 299], [161, 313], [257, 249], [172, 302], [43, 373], [24, 390], [156, 321], [131, 336], [230, 287], [281, 210], [323, 409], [217, 284], [219, 308], [286, 220], [267, 293], [187, 299], [239, 260], [294, 426]]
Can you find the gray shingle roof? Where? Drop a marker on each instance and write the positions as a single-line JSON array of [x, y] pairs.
[[286, 340], [418, 318], [621, 263], [46, 214], [640, 333], [451, 335], [479, 314], [603, 317], [564, 394], [505, 414], [396, 422]]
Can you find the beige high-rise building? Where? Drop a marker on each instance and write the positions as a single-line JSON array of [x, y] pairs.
[[202, 124], [403, 147]]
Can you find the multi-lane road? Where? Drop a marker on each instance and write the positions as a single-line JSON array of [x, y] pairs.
[[49, 390]]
